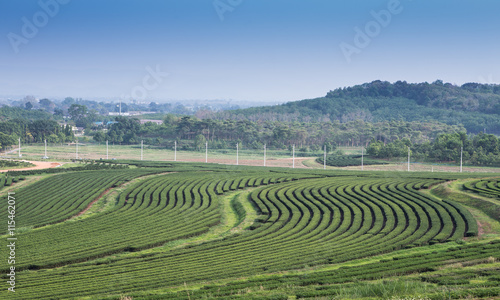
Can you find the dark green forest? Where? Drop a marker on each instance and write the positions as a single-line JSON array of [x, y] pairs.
[[472, 105]]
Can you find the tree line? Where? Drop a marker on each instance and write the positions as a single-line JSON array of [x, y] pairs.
[[481, 149], [35, 131], [192, 133]]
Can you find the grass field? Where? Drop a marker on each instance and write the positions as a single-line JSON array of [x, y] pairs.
[[249, 157], [62, 152]]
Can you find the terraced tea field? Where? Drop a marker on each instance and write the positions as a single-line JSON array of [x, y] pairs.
[[187, 231]]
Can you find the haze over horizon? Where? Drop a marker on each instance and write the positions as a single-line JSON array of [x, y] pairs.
[[257, 51]]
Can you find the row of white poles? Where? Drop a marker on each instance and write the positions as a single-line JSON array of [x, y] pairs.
[[237, 154]]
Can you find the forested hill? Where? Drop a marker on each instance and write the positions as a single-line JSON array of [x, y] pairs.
[[473, 105]]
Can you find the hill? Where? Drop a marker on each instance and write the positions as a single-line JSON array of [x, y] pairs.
[[473, 105]]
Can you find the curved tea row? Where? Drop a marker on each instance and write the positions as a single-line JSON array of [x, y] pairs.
[[148, 214], [489, 188], [305, 222], [59, 197]]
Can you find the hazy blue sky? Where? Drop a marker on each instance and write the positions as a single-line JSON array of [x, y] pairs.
[[255, 50]]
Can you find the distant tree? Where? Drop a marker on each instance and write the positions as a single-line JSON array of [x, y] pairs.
[[46, 104], [58, 112], [125, 130], [199, 141], [153, 106], [99, 136], [6, 140], [78, 113], [28, 106], [41, 129], [68, 101], [170, 119], [53, 138], [329, 147]]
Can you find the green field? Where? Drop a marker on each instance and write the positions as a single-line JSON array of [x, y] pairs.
[[249, 157], [170, 230], [93, 151]]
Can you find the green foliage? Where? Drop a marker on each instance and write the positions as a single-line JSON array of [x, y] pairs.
[[336, 160], [480, 150], [77, 113], [11, 113], [397, 148], [125, 130], [191, 133], [475, 106], [6, 140], [33, 131]]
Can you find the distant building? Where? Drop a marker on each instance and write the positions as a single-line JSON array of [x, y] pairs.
[[118, 114], [158, 122], [130, 113], [77, 131]]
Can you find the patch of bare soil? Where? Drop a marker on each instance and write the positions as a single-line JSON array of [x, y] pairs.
[[91, 203], [480, 229]]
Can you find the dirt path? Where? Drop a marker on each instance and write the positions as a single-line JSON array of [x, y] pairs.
[[91, 203], [38, 165]]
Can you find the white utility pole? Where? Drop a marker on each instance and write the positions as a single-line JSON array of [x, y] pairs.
[[142, 147], [362, 156], [324, 157], [461, 155], [206, 152], [45, 149], [264, 155], [76, 148], [175, 150], [293, 156], [408, 159], [20, 155], [107, 150], [237, 154]]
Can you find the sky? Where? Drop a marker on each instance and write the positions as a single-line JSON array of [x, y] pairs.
[[243, 50]]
